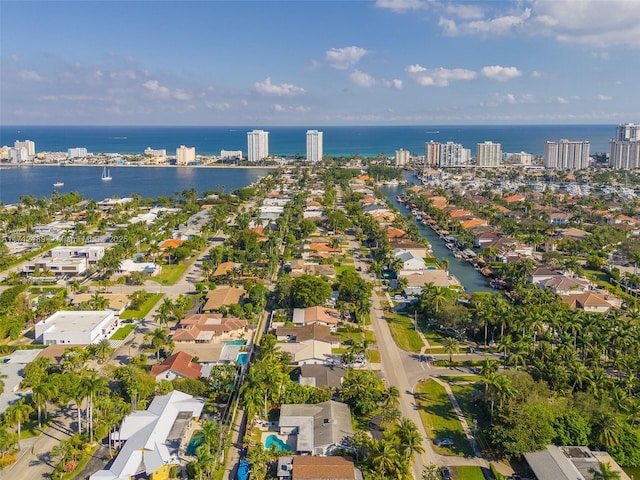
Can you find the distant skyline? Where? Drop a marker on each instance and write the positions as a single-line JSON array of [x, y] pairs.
[[319, 63]]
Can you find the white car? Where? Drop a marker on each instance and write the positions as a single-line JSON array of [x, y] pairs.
[[444, 442]]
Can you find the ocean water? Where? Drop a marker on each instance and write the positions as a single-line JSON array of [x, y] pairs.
[[366, 141], [150, 182]]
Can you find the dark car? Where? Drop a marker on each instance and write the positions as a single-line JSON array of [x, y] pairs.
[[445, 473]]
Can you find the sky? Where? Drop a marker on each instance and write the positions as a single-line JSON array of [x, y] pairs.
[[319, 63]]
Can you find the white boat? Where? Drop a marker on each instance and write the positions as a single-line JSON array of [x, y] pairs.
[[106, 175], [58, 184]]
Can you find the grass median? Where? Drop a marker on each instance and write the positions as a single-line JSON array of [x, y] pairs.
[[144, 309], [439, 418], [403, 332]]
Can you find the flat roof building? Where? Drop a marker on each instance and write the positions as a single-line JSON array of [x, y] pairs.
[[489, 154], [76, 327], [314, 146], [185, 155], [257, 145], [566, 155]]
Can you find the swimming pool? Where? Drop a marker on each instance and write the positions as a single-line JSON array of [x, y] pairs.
[[236, 342], [194, 443], [243, 359], [277, 442]]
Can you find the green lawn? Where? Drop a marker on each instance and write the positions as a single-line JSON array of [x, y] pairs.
[[460, 378], [467, 473], [439, 418], [144, 308], [357, 336], [403, 332], [123, 332], [374, 356], [434, 338], [170, 274], [342, 268], [466, 396]]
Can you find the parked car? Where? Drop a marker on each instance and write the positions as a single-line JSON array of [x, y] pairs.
[[444, 442], [445, 473]]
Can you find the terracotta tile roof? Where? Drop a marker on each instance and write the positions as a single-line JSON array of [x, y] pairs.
[[313, 467], [514, 198], [223, 296], [205, 328], [475, 222], [393, 232], [181, 364], [224, 268], [171, 243], [323, 247]]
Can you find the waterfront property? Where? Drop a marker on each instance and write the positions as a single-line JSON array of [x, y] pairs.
[[317, 468]]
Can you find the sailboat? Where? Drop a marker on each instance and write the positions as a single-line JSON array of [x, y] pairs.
[[106, 175]]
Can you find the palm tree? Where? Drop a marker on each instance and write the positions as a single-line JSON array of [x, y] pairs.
[[450, 345], [383, 456], [98, 302], [159, 340], [410, 439], [93, 385], [17, 414], [605, 472], [40, 393]]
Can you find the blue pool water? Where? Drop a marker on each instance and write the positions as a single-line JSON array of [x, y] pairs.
[[279, 444], [194, 443], [236, 342], [243, 358]]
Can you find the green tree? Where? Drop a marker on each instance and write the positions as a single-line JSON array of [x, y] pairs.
[[17, 414], [309, 291]]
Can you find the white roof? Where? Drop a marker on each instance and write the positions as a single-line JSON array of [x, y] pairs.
[[151, 436], [73, 321]]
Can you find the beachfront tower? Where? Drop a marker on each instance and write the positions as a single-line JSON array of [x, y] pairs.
[[29, 145], [566, 155], [314, 146], [431, 154], [185, 155], [402, 158], [489, 154], [257, 145], [624, 150]]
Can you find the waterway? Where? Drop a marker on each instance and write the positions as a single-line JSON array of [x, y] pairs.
[[468, 276]]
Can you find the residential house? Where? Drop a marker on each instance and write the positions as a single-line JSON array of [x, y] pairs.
[[224, 268], [317, 314], [178, 365], [569, 463], [559, 219], [542, 273], [207, 328], [589, 302], [76, 327], [223, 296], [417, 248], [319, 428], [313, 331], [153, 438], [395, 233], [322, 376], [565, 286], [305, 467], [410, 262], [129, 266], [418, 279]]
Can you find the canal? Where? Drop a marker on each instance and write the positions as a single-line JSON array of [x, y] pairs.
[[468, 276]]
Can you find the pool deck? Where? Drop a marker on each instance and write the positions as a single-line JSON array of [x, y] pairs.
[[288, 439]]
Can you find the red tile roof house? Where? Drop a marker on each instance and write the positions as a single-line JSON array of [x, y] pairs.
[[177, 365], [203, 328]]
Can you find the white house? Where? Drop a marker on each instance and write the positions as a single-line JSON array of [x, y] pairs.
[[59, 266], [76, 327], [92, 253], [410, 262]]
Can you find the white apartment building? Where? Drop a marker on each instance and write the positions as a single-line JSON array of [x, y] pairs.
[[628, 131], [624, 150], [227, 154], [77, 152], [402, 157], [453, 155], [76, 327], [28, 144], [185, 155], [566, 155], [431, 154], [521, 158], [489, 154], [314, 146], [257, 145], [18, 155], [93, 254]]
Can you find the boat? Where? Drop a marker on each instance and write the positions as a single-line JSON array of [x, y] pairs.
[[58, 184], [106, 175], [243, 470]]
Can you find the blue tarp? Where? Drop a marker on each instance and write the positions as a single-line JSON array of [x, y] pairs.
[[243, 470]]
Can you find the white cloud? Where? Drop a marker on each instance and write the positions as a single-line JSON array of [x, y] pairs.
[[343, 58], [180, 94], [438, 77], [220, 107], [499, 73], [562, 100], [362, 79], [493, 26], [395, 83], [400, 5], [536, 74], [293, 108], [155, 89], [604, 98], [31, 75], [282, 90], [464, 11]]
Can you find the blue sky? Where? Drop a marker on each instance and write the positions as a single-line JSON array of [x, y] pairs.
[[316, 63]]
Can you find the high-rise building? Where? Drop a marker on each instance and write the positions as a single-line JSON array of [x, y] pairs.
[[628, 131], [77, 152], [402, 157], [431, 154], [624, 150], [314, 146], [185, 155], [18, 155], [489, 154], [28, 144], [453, 155], [521, 158], [257, 145], [566, 155]]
